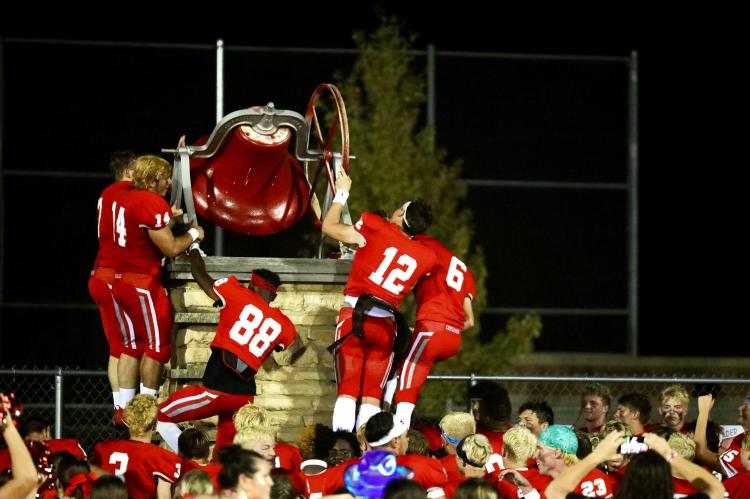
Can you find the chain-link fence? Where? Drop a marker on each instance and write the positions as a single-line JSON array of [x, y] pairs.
[[80, 402]]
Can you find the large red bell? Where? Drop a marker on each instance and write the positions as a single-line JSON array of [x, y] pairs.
[[252, 185]]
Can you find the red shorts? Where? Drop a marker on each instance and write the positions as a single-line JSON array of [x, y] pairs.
[[362, 365], [431, 341], [113, 318], [146, 303]]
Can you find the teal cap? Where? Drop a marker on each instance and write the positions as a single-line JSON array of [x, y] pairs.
[[560, 437]]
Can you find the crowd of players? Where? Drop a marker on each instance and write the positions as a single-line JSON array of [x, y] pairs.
[[380, 363]]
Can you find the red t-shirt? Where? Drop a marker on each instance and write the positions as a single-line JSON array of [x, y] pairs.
[[140, 464], [137, 212], [248, 326], [738, 485], [107, 209], [390, 262], [441, 294]]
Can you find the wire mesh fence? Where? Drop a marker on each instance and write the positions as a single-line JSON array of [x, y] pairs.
[[79, 402]]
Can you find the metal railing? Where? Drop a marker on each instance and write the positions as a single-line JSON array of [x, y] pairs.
[[79, 401]]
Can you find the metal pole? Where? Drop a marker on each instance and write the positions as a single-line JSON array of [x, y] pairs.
[[2, 189], [58, 402], [219, 233], [633, 205], [431, 85]]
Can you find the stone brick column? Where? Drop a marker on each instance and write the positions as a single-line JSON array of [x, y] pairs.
[[310, 295]]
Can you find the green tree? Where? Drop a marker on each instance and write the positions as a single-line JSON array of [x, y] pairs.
[[396, 159]]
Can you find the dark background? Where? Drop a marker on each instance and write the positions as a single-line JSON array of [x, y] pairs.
[[67, 107]]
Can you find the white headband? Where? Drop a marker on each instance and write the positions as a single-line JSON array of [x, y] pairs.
[[404, 207], [399, 428]]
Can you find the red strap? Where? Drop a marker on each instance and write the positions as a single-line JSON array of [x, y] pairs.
[[259, 282]]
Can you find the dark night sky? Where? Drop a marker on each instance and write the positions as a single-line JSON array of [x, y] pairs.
[[685, 203]]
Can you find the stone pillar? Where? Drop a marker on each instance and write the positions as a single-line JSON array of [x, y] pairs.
[[310, 295]]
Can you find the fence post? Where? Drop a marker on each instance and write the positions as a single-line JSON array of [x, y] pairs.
[[472, 382], [58, 402]]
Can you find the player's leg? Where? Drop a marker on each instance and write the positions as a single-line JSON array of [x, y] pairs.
[[379, 334], [132, 343], [100, 289], [157, 319], [430, 342], [348, 362]]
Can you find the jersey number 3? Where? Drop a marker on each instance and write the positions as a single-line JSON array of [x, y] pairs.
[[253, 328]]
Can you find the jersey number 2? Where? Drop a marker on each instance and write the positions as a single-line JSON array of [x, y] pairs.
[[254, 329]]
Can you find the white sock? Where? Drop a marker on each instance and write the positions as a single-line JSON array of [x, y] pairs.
[[366, 411], [344, 414], [116, 399], [170, 432], [126, 395], [390, 390], [148, 391], [404, 411]]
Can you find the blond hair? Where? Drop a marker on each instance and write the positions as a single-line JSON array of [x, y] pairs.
[[458, 425], [477, 448], [609, 427], [250, 434], [519, 444], [682, 445], [678, 392], [140, 414], [147, 169], [251, 416], [194, 482]]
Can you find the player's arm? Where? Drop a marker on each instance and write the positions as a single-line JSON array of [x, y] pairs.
[[198, 269], [468, 312], [22, 467], [163, 489], [702, 454], [332, 225], [171, 246]]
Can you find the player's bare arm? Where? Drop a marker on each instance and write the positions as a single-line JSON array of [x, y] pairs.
[[468, 312], [198, 269], [332, 225], [172, 246]]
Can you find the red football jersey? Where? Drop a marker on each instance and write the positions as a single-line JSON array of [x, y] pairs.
[[107, 210], [507, 490], [451, 468], [595, 484], [139, 464], [441, 294], [731, 459], [738, 485], [495, 437], [288, 456], [248, 326], [212, 469], [428, 472], [390, 262], [136, 212]]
